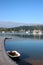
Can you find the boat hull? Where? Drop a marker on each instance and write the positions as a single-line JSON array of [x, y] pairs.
[[13, 54]]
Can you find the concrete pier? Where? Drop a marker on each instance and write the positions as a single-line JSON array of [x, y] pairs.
[[4, 59]]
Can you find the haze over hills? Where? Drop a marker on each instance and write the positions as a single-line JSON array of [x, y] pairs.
[[15, 24], [9, 24]]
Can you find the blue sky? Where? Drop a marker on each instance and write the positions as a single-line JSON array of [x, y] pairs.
[[21, 11]]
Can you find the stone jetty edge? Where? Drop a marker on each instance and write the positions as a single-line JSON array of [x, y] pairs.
[[4, 59]]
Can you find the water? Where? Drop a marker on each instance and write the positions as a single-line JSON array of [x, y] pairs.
[[27, 47]]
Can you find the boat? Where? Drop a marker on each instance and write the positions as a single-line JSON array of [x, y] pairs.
[[13, 54]]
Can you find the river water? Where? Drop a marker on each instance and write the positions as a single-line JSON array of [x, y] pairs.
[[29, 48]]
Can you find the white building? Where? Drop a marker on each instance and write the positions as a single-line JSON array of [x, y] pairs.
[[27, 31], [37, 32], [3, 31]]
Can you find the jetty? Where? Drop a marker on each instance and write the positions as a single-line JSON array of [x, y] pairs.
[[4, 59]]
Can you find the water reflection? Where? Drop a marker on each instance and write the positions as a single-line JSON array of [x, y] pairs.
[[30, 36], [21, 62], [28, 48], [22, 35]]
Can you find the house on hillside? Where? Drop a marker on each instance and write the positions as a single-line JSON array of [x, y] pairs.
[[22, 30], [35, 32]]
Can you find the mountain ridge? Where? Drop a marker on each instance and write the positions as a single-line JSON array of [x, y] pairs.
[[15, 24]]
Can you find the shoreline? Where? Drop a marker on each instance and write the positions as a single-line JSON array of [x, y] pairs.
[[4, 59], [34, 62]]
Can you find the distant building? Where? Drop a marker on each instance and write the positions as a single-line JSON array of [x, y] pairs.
[[37, 32], [28, 31], [22, 30], [12, 31], [3, 31]]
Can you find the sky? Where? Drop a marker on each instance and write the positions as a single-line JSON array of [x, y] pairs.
[[21, 11]]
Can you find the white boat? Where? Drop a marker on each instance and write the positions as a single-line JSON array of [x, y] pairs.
[[13, 54]]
